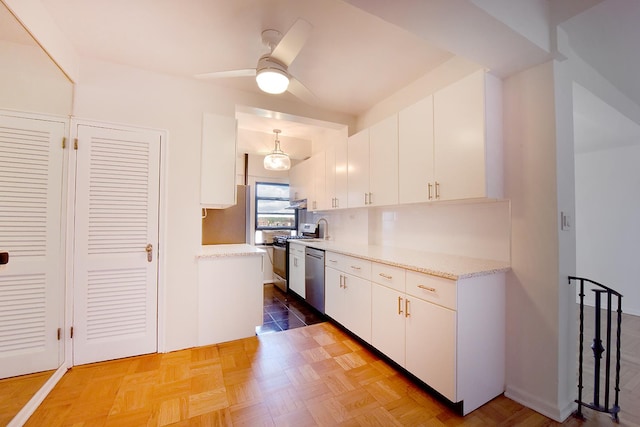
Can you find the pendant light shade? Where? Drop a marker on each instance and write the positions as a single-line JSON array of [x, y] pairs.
[[277, 160]]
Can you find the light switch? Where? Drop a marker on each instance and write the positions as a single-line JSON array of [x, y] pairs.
[[565, 221]]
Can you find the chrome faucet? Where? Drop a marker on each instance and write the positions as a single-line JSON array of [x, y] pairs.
[[325, 234]]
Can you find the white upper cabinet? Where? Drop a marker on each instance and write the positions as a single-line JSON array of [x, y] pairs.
[[468, 140], [299, 181], [415, 153], [383, 162], [358, 169], [218, 157], [336, 176], [372, 172], [317, 200]]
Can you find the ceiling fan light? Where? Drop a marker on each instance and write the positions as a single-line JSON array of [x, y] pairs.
[[272, 81]]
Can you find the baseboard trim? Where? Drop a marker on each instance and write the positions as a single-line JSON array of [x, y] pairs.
[[27, 410], [548, 409]]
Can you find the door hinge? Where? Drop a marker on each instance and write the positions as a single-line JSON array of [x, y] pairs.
[[71, 333], [75, 144], [59, 333], [64, 142]]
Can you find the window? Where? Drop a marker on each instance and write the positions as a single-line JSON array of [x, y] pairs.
[[272, 201]]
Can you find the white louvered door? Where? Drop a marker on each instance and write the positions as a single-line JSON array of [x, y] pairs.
[[31, 285], [116, 218]]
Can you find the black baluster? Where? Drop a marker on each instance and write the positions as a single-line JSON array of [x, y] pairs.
[[597, 350]]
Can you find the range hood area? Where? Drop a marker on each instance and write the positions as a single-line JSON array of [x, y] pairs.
[[298, 204]]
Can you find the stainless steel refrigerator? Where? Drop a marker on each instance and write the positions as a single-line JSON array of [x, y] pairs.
[[230, 225]]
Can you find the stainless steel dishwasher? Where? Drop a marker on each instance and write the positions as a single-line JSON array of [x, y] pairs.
[[314, 278]]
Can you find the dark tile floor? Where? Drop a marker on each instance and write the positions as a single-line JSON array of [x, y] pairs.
[[284, 311]]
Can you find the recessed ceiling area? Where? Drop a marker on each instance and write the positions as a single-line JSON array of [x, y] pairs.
[[299, 137]]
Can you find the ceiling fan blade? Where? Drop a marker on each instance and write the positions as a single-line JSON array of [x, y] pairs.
[[300, 91], [291, 43], [247, 72]]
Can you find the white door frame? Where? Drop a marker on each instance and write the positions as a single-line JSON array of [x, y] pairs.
[[162, 230]]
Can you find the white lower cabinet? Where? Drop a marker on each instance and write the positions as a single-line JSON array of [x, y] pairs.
[[430, 335], [347, 296], [296, 269], [449, 334]]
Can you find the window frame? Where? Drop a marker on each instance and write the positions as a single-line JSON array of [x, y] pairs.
[[257, 212]]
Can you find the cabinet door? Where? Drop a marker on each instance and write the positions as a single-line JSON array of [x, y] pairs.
[[431, 346], [330, 177], [218, 161], [415, 152], [459, 122], [300, 181], [341, 186], [358, 169], [318, 182], [334, 302], [357, 307], [296, 272], [383, 162], [387, 322]]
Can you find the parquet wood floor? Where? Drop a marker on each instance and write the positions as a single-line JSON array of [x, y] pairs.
[[311, 376], [15, 393]]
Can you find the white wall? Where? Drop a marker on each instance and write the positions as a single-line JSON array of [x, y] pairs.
[[608, 221], [477, 230], [34, 16], [31, 82], [535, 373], [114, 93], [474, 229]]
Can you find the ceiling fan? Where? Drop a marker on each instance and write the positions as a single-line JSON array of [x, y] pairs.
[[272, 72]]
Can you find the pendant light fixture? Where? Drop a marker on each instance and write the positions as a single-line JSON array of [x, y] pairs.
[[277, 160]]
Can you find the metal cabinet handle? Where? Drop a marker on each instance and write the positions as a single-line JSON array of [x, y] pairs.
[[429, 186], [406, 308], [400, 305], [341, 280], [437, 190], [149, 249], [386, 276], [337, 202], [366, 198], [344, 282], [333, 260], [355, 267], [427, 288], [370, 198]]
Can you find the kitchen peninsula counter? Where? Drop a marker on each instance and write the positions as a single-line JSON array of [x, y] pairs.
[[230, 292], [447, 266], [229, 250]]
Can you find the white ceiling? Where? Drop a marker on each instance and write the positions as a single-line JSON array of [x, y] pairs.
[[353, 59], [350, 61]]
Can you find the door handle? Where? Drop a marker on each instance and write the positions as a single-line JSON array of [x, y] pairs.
[[149, 250]]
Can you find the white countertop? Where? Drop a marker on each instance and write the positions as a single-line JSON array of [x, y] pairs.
[[447, 266], [215, 251]]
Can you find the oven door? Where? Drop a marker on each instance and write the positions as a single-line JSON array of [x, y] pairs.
[[280, 261]]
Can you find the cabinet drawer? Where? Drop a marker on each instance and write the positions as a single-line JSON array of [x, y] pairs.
[[387, 275], [431, 288], [296, 248], [347, 264]]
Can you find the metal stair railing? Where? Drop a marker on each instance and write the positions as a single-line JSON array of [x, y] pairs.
[[598, 349]]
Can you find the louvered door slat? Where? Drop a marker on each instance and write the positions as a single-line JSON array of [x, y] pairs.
[[31, 291], [116, 217]]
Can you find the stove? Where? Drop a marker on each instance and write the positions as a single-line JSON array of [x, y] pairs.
[[281, 251]]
